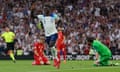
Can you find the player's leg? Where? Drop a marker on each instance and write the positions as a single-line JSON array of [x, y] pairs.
[[10, 47], [64, 52], [58, 54], [49, 44], [54, 53], [12, 55], [104, 60], [45, 60], [36, 60], [58, 50], [54, 49]]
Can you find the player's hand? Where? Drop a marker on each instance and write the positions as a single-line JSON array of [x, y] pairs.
[[40, 58], [96, 62], [41, 62]]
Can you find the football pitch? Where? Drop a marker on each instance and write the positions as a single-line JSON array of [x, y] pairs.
[[70, 66]]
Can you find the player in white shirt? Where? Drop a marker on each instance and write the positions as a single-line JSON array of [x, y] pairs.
[[48, 20]]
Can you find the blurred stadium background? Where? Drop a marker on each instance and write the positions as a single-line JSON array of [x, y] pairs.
[[80, 18]]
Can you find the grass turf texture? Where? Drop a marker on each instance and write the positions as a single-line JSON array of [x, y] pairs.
[[70, 66]]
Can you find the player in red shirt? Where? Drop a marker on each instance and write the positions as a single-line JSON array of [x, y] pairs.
[[60, 44], [39, 56]]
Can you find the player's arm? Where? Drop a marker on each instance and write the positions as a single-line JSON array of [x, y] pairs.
[[96, 48], [40, 25], [97, 56], [63, 34], [2, 36], [96, 53], [63, 39], [56, 17], [39, 21], [13, 35], [35, 51], [42, 50]]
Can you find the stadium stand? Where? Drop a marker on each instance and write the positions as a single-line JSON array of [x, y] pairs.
[[80, 18]]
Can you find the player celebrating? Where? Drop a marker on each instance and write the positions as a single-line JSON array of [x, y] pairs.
[[48, 20], [102, 50], [60, 44], [39, 56]]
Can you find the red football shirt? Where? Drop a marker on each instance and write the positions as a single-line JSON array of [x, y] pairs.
[[60, 37], [39, 47]]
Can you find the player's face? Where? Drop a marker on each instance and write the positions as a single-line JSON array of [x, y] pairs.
[[7, 29], [42, 40], [60, 29]]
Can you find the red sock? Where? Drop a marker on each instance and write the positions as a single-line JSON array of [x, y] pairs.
[[64, 54], [58, 54], [55, 62]]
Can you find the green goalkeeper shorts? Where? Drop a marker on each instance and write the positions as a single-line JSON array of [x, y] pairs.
[[104, 60]]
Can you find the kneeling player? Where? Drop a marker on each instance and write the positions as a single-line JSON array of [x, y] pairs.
[[39, 56], [102, 50], [103, 55]]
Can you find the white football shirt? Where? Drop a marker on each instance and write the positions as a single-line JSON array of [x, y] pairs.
[[48, 24]]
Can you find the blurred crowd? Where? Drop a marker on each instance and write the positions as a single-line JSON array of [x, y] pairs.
[[79, 18]]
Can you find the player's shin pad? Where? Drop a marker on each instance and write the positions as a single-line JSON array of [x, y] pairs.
[[12, 56], [54, 52]]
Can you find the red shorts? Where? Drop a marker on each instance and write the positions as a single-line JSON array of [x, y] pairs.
[[60, 46], [36, 60], [43, 58]]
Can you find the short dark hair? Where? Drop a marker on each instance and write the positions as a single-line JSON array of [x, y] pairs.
[[47, 11], [90, 39]]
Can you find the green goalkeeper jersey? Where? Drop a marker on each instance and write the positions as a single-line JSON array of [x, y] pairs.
[[101, 48]]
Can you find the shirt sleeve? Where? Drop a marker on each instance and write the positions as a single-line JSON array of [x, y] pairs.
[[13, 34], [55, 16], [35, 46], [2, 35], [96, 47], [40, 17]]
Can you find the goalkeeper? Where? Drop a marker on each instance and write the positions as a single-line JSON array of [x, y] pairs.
[[102, 50]]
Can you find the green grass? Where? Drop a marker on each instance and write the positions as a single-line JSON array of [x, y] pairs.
[[70, 66]]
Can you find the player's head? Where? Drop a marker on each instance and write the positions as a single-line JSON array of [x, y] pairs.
[[60, 29], [47, 11], [90, 39], [7, 29], [40, 11], [42, 39]]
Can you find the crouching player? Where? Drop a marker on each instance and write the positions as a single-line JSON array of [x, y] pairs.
[[60, 44], [103, 52], [39, 56]]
